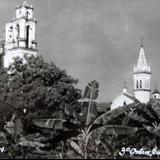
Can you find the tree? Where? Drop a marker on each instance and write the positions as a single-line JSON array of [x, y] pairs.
[[38, 87], [35, 90]]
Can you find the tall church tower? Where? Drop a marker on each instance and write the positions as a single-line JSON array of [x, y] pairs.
[[142, 76], [20, 34]]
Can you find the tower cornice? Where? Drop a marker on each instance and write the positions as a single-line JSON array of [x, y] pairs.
[[141, 89], [23, 18], [142, 72]]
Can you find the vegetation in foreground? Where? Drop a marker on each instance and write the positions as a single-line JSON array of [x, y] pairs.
[[44, 115]]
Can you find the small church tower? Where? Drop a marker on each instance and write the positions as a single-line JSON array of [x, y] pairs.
[[142, 76], [20, 34], [156, 93]]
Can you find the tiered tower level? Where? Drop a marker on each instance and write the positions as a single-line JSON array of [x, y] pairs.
[[20, 34]]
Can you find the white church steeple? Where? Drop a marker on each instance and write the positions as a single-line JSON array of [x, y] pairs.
[[142, 76], [20, 34], [142, 62]]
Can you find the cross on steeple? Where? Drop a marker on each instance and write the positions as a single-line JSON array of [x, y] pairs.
[[124, 87], [124, 84], [141, 41]]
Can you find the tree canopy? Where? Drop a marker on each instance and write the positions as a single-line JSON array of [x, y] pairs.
[[37, 89]]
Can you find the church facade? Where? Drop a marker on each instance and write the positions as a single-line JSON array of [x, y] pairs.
[[19, 38], [142, 88]]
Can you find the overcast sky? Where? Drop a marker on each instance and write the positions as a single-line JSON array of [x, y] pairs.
[[96, 39]]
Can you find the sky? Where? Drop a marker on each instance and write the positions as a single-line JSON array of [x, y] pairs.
[[96, 39]]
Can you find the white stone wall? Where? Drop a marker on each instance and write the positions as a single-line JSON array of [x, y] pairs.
[[156, 96], [142, 96], [12, 32], [142, 89], [120, 100], [9, 57]]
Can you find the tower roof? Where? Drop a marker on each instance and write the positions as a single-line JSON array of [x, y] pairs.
[[142, 65], [156, 91], [142, 62]]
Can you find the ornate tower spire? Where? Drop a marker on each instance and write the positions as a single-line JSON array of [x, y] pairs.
[[142, 65], [142, 76]]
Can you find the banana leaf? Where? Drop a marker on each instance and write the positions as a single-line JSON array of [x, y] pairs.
[[154, 112], [49, 123], [117, 130], [136, 117], [76, 147], [91, 87], [107, 117], [152, 130], [37, 137], [156, 109], [31, 144], [145, 113]]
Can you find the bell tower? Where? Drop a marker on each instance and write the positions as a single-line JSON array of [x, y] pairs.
[[20, 34], [142, 77]]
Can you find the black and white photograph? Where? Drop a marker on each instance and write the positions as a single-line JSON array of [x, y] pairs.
[[80, 79]]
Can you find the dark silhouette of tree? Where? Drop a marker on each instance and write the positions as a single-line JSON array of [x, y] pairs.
[[35, 90], [38, 88]]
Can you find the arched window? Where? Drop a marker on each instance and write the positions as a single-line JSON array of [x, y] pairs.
[[27, 14], [17, 30], [124, 103], [137, 83], [10, 28], [140, 83], [27, 36]]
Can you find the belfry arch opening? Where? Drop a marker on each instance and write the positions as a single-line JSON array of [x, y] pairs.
[[137, 83], [17, 30], [27, 36], [140, 83]]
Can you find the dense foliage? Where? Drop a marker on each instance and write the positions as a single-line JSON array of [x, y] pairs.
[[38, 87], [44, 115]]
